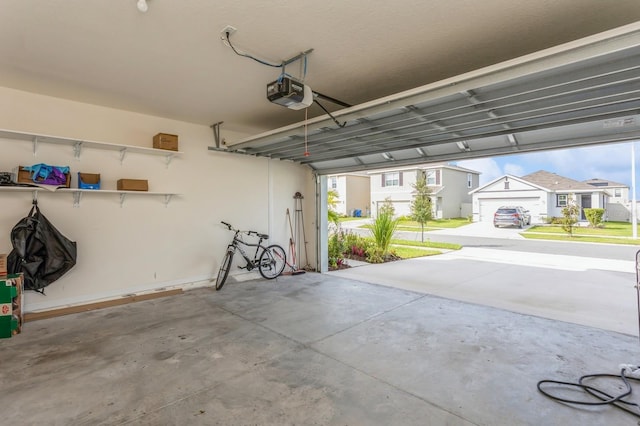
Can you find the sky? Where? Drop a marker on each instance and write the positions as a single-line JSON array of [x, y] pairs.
[[608, 162]]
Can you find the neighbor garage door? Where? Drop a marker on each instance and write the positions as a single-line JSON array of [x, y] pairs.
[[488, 206]]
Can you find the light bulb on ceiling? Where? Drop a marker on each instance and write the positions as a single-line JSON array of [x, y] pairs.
[[142, 5]]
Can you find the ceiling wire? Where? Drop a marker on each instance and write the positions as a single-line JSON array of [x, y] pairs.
[[246, 55], [306, 148]]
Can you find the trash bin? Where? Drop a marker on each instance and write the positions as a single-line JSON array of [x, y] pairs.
[[358, 213]]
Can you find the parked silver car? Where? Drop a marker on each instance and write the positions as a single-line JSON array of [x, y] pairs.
[[511, 216]]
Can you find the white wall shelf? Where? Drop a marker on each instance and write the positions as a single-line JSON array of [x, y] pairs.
[[78, 193], [79, 144]]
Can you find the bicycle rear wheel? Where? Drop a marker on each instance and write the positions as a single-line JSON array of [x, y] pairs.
[[272, 261], [224, 269]]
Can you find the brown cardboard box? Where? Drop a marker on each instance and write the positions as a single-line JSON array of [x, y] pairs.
[[165, 141], [133, 185], [3, 264], [24, 176]]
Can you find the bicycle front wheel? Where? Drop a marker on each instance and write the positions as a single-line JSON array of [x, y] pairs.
[[272, 261], [223, 273]]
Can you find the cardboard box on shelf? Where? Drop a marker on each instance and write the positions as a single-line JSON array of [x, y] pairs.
[[24, 176], [133, 185], [11, 302], [88, 180], [3, 264], [165, 141]]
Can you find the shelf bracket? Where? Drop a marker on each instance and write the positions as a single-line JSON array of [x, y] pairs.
[[77, 150], [216, 133], [35, 196], [168, 159], [122, 198], [167, 199], [35, 145], [123, 153], [77, 196]]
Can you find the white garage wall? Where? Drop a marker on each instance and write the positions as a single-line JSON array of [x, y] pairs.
[[143, 245]]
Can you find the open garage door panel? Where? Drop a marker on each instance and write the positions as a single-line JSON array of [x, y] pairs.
[[584, 92], [488, 206]]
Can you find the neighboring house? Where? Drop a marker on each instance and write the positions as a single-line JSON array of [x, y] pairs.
[[619, 202], [543, 193], [449, 187], [353, 193]]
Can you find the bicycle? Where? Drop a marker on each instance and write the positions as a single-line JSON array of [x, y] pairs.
[[270, 260]]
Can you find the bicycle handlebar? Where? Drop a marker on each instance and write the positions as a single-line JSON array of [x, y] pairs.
[[257, 234]]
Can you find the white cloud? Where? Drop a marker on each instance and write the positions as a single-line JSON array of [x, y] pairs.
[[514, 169], [488, 167]]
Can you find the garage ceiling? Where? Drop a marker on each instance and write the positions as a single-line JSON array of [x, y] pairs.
[[581, 93], [171, 62]]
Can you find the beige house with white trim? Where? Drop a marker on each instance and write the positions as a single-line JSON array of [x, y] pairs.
[[449, 187]]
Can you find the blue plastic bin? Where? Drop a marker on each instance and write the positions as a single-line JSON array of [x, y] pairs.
[[88, 180]]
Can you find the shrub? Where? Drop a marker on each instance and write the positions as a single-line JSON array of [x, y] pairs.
[[375, 255], [594, 216], [356, 246], [336, 249]]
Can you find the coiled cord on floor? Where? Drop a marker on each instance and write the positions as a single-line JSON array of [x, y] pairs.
[[604, 397]]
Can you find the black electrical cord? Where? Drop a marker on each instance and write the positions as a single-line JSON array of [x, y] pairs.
[[330, 115], [604, 397], [245, 55]]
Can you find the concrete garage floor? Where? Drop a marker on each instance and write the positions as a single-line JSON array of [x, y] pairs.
[[310, 349]]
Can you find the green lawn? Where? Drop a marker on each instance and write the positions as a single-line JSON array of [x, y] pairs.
[[427, 244], [432, 225], [406, 252], [408, 249], [611, 233]]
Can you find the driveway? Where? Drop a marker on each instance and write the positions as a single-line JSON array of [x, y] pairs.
[[482, 229], [589, 291], [543, 279]]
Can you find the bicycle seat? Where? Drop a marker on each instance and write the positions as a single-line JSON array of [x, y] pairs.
[[263, 236]]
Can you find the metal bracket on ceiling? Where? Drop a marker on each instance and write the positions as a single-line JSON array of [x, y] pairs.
[[463, 146], [216, 133]]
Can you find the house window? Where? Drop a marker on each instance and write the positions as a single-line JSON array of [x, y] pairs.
[[618, 193], [391, 179], [431, 177], [561, 200], [334, 182], [469, 180]]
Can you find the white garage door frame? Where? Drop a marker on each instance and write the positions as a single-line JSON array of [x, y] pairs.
[[488, 206]]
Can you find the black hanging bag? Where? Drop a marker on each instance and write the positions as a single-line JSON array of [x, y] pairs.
[[40, 251]]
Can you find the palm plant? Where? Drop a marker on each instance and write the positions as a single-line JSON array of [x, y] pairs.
[[332, 202], [382, 230]]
